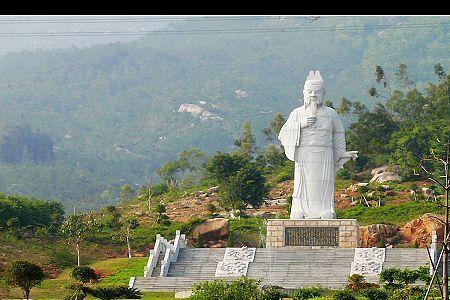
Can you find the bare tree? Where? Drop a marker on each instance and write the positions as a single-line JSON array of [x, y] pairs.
[[444, 182]]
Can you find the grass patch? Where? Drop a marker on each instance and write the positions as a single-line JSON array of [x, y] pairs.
[[390, 214], [248, 231]]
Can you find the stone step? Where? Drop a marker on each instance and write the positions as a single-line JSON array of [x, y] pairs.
[[290, 268]]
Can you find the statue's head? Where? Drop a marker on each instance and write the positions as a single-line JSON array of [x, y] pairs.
[[313, 90]]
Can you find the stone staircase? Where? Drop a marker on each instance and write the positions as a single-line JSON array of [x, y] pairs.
[[289, 268], [157, 269]]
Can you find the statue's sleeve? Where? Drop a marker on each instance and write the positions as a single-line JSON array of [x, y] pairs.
[[289, 135], [338, 142]]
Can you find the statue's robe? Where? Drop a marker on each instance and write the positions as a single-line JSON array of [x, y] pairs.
[[318, 151]]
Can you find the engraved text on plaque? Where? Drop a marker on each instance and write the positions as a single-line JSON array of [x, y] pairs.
[[311, 236]]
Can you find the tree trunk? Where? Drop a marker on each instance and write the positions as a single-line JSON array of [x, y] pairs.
[[78, 254], [128, 242], [445, 264], [26, 293]]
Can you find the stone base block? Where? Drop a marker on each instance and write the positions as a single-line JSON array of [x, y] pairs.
[[313, 233]]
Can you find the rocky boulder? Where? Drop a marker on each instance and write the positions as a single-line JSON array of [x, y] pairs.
[[379, 170], [371, 236], [419, 231], [214, 232], [386, 176]]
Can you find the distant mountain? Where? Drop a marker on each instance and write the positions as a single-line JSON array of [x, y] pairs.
[[118, 111]]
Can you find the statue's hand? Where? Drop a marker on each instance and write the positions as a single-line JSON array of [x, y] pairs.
[[308, 122], [352, 154]]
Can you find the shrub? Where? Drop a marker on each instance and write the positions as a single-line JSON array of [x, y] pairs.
[[308, 293], [343, 174], [272, 293], [84, 274], [24, 275], [118, 292], [343, 295], [242, 288], [79, 291], [357, 282], [159, 189], [395, 278], [374, 294]]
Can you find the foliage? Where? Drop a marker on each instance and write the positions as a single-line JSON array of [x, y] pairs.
[[117, 292], [371, 135], [274, 126], [188, 167], [24, 275], [308, 293], [247, 142], [398, 279], [357, 282], [21, 143], [343, 295], [272, 293], [374, 294], [79, 291], [84, 274], [390, 214], [246, 187], [286, 172], [242, 288], [223, 165], [25, 215], [78, 228]]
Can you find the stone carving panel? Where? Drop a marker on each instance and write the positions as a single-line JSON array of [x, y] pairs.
[[235, 262], [231, 268], [368, 261], [239, 254]]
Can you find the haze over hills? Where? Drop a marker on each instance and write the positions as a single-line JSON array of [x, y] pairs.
[[31, 32], [118, 111]]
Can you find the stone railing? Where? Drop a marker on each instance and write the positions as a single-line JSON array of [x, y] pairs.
[[172, 251], [160, 246]]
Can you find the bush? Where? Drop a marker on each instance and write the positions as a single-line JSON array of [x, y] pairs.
[[242, 288], [343, 174], [395, 278], [308, 293], [84, 274], [159, 189], [79, 292], [118, 292], [344, 295], [24, 275], [374, 294], [272, 293], [357, 282]]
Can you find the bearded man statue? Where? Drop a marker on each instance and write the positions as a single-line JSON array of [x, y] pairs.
[[314, 138]]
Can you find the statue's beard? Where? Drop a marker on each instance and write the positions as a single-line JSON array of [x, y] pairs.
[[313, 104]]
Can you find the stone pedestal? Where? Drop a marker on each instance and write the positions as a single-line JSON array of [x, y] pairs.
[[313, 233]]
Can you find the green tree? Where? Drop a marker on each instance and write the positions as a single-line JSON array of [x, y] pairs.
[[371, 135], [246, 187], [126, 192], [272, 131], [127, 224], [84, 274], [78, 228], [223, 165], [247, 142], [24, 275]]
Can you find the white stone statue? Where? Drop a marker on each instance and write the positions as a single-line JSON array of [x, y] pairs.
[[313, 137]]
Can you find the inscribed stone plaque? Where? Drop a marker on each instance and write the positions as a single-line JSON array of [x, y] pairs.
[[311, 236]]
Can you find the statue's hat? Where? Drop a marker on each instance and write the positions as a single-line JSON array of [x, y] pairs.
[[314, 78]]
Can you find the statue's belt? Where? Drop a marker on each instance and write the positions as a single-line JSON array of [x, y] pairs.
[[315, 144]]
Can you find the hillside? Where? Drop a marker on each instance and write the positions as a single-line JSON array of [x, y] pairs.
[[113, 110]]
